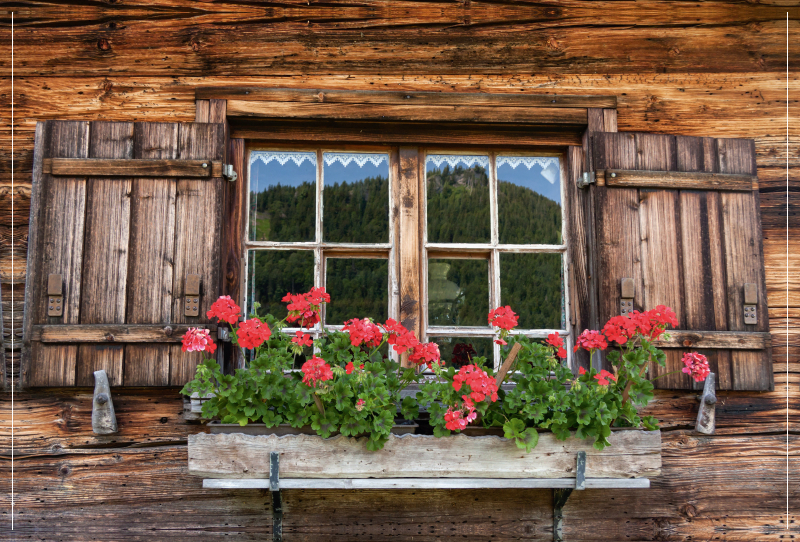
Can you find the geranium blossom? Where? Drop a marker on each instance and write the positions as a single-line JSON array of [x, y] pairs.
[[305, 307], [696, 365], [591, 340], [360, 405], [555, 340], [504, 318], [198, 340], [363, 332], [457, 418], [316, 370], [253, 333], [302, 339], [399, 337], [225, 309], [481, 385], [603, 377], [581, 371], [348, 369], [427, 353]]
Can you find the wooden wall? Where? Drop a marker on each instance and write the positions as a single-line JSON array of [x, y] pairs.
[[700, 68]]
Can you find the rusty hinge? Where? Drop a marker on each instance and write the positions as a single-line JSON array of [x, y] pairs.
[[55, 298], [228, 172], [626, 299], [191, 295], [750, 302], [586, 179]]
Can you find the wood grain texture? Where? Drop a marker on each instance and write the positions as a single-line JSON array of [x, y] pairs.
[[121, 333], [105, 252], [99, 167], [633, 454], [677, 180], [409, 181], [737, 340]]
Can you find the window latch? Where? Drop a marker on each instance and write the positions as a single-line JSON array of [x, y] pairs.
[[586, 178], [228, 173]]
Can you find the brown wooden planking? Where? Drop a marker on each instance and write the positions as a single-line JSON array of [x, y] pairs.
[[410, 180], [105, 252], [60, 219], [98, 167], [737, 340], [103, 333], [152, 254], [577, 242], [367, 97], [677, 180], [212, 110], [415, 113], [198, 218]]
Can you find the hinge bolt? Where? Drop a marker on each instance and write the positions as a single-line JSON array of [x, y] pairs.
[[613, 174], [205, 165]]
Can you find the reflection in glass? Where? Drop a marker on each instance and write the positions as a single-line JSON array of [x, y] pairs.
[[458, 292], [273, 273], [532, 284], [529, 200], [283, 196], [356, 198], [459, 351], [458, 198], [358, 288]]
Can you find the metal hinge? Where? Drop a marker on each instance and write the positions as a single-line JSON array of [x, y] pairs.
[[750, 302], [55, 298], [228, 173], [626, 298], [191, 292], [586, 179]]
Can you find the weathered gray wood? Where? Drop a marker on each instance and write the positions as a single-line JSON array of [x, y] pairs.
[[426, 483], [112, 333], [104, 421], [674, 180], [632, 454], [512, 356], [734, 340], [97, 167], [706, 414]]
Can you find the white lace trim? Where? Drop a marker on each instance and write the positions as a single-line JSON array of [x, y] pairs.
[[454, 159], [360, 159], [527, 161], [283, 157]]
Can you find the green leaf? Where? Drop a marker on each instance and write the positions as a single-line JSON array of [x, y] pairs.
[[353, 427], [439, 431], [409, 408], [514, 428], [528, 439], [383, 422]]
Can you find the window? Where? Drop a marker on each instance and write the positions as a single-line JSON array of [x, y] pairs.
[[493, 236]]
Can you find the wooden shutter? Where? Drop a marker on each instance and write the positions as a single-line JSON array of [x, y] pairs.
[[690, 240], [123, 221]]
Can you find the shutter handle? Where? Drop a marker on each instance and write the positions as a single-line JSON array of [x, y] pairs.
[[626, 299], [750, 302], [104, 421]]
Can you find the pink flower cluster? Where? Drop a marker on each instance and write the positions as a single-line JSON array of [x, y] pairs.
[[458, 418], [316, 370], [480, 384], [696, 365], [198, 340]]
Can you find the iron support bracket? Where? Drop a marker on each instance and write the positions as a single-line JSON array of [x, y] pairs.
[[560, 497], [275, 491]]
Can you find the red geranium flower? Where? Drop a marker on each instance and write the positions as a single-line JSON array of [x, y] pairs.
[[198, 340], [363, 332], [225, 309], [481, 385], [302, 339], [399, 337], [504, 318], [305, 307], [591, 340], [427, 353], [603, 376], [316, 370], [581, 371], [554, 339], [696, 366], [349, 367], [562, 353], [253, 333]]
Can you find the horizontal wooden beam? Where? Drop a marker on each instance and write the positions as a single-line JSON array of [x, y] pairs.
[[426, 483], [733, 340], [408, 112], [113, 333], [676, 180], [371, 97], [101, 167]]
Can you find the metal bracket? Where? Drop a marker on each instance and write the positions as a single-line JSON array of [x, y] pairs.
[[275, 491], [626, 297], [228, 173], [191, 293], [55, 297], [223, 334], [750, 302], [104, 421], [706, 414], [586, 178], [560, 497]]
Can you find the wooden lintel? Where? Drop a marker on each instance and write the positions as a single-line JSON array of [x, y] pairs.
[[113, 333], [255, 94], [676, 180], [465, 113], [732, 340], [98, 167]]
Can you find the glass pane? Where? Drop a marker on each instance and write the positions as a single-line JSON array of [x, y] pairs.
[[356, 198], [458, 198], [458, 292], [359, 289], [529, 200], [532, 284], [458, 351], [283, 196], [273, 273]]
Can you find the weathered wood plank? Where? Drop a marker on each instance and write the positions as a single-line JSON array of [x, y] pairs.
[[152, 254], [425, 483], [410, 180], [674, 180], [737, 340], [415, 113], [100, 167], [632, 454], [105, 251], [409, 98], [119, 333]]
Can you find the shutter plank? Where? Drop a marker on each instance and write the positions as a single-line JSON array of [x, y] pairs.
[[197, 237], [152, 251], [579, 264], [742, 241], [105, 258], [62, 214]]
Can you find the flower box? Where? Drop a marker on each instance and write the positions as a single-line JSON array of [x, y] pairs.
[[218, 428], [632, 454]]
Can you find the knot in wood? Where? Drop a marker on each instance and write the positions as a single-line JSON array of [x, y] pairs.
[[103, 44], [688, 342], [109, 337], [168, 331]]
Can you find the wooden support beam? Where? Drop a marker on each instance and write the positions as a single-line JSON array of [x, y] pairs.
[[676, 180], [119, 333], [733, 340], [425, 483], [94, 167]]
